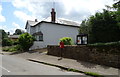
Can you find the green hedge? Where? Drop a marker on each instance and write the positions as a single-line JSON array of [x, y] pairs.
[[67, 40], [111, 47], [106, 44]]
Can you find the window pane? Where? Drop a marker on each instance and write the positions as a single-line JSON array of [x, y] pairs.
[[40, 37]]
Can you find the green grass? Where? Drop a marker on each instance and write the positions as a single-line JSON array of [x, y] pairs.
[[93, 74], [11, 48]]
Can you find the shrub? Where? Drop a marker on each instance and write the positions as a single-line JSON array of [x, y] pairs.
[[66, 40], [6, 42], [15, 42], [106, 44], [9, 48], [109, 48], [25, 41]]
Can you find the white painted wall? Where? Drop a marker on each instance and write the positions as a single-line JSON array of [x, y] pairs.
[[37, 45], [32, 30], [53, 32], [28, 28]]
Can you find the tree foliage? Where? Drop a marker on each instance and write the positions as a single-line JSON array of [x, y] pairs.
[[103, 26], [84, 27], [26, 41], [18, 32], [7, 42], [4, 40], [3, 34]]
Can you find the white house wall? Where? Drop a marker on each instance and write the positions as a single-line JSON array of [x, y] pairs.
[[53, 32], [37, 45], [32, 30], [28, 28]]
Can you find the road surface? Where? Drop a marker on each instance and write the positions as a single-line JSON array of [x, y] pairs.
[[12, 65]]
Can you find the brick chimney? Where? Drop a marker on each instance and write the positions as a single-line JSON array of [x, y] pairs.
[[53, 15]]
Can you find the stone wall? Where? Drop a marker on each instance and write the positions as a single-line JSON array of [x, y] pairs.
[[86, 53]]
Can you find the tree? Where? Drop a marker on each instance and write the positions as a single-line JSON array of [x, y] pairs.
[[4, 40], [116, 6], [3, 34], [84, 27], [18, 32], [103, 27], [25, 41]]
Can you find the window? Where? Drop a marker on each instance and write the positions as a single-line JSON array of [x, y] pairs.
[[40, 37]]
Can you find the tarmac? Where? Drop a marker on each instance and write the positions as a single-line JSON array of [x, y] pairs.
[[70, 63]]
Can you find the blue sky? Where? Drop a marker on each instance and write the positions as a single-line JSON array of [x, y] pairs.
[[15, 13]]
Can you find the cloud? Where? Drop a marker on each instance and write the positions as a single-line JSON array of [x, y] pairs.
[[12, 28], [15, 26], [70, 9], [2, 18], [23, 16], [4, 27]]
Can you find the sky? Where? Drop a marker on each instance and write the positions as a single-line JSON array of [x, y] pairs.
[[15, 13]]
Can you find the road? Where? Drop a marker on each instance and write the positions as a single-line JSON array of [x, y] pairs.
[[12, 65]]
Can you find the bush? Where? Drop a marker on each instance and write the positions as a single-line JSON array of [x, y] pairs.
[[109, 48], [15, 42], [10, 48], [66, 40], [7, 42], [106, 44], [25, 41]]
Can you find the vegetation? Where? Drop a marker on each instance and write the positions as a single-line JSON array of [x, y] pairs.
[[103, 27], [3, 33], [4, 40], [106, 44], [15, 48], [66, 40], [93, 74], [7, 42], [108, 48], [25, 41], [18, 32]]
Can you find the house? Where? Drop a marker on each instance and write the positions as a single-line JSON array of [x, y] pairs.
[[50, 30], [13, 37]]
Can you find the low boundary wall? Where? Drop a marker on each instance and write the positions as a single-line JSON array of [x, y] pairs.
[[103, 56]]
